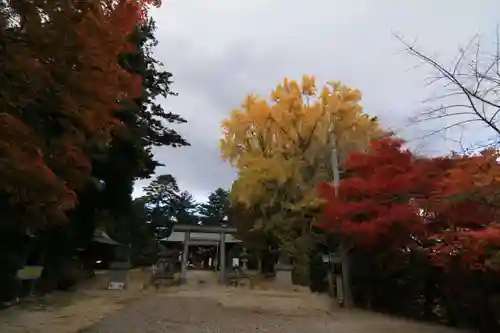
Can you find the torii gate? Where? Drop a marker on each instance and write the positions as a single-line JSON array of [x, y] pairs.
[[188, 229]]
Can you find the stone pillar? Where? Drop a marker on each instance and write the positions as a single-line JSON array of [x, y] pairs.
[[216, 257], [185, 256], [222, 261], [283, 270]]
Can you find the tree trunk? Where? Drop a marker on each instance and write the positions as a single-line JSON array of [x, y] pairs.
[[346, 275]]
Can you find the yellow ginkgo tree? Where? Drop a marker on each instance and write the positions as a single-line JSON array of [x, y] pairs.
[[282, 148]]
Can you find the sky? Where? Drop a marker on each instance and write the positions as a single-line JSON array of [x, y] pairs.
[[221, 50]]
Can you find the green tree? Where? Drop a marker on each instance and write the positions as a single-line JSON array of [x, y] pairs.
[[162, 190], [159, 196], [184, 208], [216, 210], [128, 155], [143, 240]]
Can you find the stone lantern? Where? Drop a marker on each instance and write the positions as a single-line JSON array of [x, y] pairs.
[[244, 260]]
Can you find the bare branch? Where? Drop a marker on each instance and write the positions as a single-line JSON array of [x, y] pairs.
[[460, 143], [478, 82], [441, 112], [442, 116], [443, 129], [463, 54]]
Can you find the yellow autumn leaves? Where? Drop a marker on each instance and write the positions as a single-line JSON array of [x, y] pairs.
[[282, 147]]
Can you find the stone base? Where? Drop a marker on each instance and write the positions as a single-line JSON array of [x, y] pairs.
[[283, 279]]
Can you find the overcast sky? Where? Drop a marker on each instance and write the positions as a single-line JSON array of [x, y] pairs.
[[220, 50]]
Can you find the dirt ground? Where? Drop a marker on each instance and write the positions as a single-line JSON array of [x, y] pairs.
[[68, 312], [200, 306]]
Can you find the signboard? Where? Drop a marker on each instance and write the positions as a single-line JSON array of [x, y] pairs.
[[236, 262], [30, 273], [117, 275], [204, 236], [116, 285]]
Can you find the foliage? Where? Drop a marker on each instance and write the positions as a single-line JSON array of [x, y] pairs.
[[162, 190], [184, 208], [159, 195], [216, 210], [268, 141], [243, 219], [283, 148], [445, 205], [128, 156], [60, 90], [374, 201], [167, 205], [148, 116], [80, 112], [430, 223], [464, 213]]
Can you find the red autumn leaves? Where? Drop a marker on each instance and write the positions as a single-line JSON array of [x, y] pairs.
[[392, 199], [61, 81]]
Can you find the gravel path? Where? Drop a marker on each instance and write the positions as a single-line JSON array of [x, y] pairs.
[[205, 313], [197, 307]]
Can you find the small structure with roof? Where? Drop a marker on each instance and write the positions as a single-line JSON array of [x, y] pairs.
[[202, 236]]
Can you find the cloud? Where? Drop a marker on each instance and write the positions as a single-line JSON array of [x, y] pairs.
[[222, 49]]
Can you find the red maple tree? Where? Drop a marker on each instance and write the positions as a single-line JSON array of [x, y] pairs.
[[463, 212], [375, 201], [61, 81], [446, 207]]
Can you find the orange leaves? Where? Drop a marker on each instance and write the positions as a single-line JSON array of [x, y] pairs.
[[467, 194], [99, 79], [30, 185], [144, 4], [476, 176], [135, 11], [61, 83]]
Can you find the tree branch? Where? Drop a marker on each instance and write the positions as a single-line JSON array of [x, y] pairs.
[[474, 95]]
